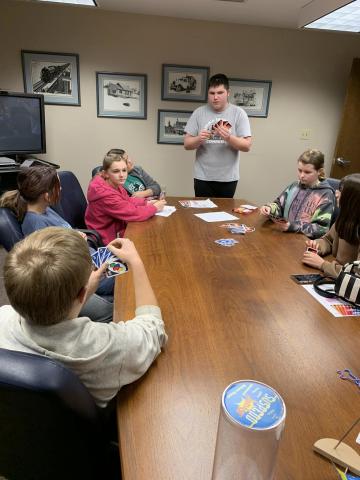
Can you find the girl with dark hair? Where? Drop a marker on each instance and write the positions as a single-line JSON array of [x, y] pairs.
[[109, 206], [33, 182], [38, 189], [343, 239], [306, 206]]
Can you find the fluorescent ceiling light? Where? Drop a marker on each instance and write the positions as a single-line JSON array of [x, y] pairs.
[[89, 3], [339, 15]]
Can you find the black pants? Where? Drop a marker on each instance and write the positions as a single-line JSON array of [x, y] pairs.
[[204, 188]]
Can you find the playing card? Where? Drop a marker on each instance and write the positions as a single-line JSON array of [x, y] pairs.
[[239, 230], [116, 267], [230, 225], [226, 242], [95, 259], [104, 253]]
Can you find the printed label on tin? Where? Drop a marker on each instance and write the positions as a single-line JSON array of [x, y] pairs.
[[253, 405]]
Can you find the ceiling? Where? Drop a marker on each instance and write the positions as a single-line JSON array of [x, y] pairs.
[[269, 13]]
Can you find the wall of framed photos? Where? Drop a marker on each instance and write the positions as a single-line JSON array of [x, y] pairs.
[[308, 73]]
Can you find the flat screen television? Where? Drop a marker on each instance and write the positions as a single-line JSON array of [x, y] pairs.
[[22, 123]]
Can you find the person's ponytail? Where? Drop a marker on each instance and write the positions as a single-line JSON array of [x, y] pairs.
[[15, 202]]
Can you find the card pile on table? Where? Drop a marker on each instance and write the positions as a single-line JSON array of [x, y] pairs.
[[226, 242], [115, 265]]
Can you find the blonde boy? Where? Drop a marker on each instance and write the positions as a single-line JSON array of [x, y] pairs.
[[48, 277]]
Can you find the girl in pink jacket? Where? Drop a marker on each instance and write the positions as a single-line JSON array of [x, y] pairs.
[[109, 205]]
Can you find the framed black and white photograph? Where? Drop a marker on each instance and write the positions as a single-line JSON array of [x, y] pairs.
[[54, 75], [171, 125], [184, 83], [121, 95], [252, 95]]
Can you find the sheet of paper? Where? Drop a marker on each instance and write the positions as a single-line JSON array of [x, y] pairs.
[[337, 307], [166, 211], [249, 207], [198, 203], [216, 216]]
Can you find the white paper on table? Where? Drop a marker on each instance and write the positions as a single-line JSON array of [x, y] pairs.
[[199, 203], [216, 216], [336, 306], [166, 211], [249, 207]]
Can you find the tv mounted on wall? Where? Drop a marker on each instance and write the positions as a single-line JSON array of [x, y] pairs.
[[22, 123]]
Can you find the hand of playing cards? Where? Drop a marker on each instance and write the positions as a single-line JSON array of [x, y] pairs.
[[115, 265]]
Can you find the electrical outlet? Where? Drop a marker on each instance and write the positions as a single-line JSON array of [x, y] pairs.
[[305, 134]]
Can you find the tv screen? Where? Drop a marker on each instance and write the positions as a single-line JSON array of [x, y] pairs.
[[22, 123]]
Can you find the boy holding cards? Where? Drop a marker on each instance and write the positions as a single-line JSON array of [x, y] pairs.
[[48, 277]]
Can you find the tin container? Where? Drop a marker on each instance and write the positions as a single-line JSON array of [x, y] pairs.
[[251, 422]]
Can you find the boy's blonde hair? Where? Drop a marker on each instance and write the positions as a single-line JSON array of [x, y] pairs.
[[45, 272]]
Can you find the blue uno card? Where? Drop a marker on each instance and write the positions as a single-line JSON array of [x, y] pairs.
[[95, 259]]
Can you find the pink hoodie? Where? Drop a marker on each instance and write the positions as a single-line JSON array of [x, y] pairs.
[[109, 209]]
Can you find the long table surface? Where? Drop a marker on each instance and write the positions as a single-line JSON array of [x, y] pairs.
[[232, 313]]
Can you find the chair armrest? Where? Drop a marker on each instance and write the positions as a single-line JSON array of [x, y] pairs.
[[93, 237]]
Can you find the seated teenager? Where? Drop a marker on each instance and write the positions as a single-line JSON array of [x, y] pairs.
[[109, 206], [343, 238], [47, 277], [305, 206], [138, 183], [38, 188]]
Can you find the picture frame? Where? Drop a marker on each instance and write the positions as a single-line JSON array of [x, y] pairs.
[[251, 95], [171, 124], [54, 75], [121, 95], [184, 83]]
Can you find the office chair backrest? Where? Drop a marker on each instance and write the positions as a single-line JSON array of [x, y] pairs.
[[49, 424], [72, 204], [10, 230], [96, 170]]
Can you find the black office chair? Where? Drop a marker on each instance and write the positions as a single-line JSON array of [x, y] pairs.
[[72, 203], [72, 206], [96, 170], [10, 230], [50, 427]]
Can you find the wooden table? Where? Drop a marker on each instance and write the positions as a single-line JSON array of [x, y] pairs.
[[232, 313]]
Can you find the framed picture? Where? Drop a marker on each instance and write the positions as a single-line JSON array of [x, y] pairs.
[[121, 95], [252, 95], [184, 83], [171, 125], [55, 75]]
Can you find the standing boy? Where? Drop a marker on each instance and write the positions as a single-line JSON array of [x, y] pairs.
[[217, 131]]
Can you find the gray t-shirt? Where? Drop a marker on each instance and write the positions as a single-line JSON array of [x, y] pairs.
[[215, 159]]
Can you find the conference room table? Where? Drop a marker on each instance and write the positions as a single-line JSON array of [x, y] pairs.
[[232, 313]]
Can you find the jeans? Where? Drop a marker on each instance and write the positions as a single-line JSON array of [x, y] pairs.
[[98, 309]]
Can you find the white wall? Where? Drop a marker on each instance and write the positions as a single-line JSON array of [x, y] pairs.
[[309, 71]]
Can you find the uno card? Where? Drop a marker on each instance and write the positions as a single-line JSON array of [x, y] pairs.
[[226, 242], [230, 225], [95, 259], [116, 267], [104, 254], [238, 230]]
